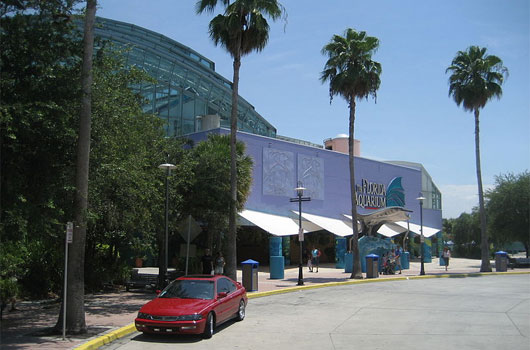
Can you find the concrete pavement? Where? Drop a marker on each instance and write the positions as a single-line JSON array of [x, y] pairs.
[[110, 315]]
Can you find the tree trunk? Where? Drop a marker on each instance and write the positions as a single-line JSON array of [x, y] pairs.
[[484, 245], [75, 309], [356, 271], [231, 250]]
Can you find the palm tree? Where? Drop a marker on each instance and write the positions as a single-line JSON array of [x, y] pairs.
[[241, 29], [475, 79], [353, 75]]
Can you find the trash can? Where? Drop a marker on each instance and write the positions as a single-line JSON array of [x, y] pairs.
[[277, 267], [250, 274], [501, 261], [405, 260], [372, 268]]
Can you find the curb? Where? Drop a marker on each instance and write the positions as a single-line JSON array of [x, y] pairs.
[[124, 331], [107, 338], [253, 295]]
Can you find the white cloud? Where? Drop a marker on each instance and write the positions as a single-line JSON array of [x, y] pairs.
[[457, 199]]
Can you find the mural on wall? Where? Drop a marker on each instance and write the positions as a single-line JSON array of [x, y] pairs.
[[278, 172], [395, 194], [311, 173]]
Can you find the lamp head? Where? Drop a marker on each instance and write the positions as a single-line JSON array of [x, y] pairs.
[[300, 189], [167, 166]]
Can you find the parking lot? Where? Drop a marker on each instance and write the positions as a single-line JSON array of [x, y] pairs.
[[486, 312]]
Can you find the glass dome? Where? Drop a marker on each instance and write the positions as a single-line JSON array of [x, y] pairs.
[[187, 87]]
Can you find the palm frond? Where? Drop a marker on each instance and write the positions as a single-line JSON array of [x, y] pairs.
[[475, 78], [242, 28], [350, 70]]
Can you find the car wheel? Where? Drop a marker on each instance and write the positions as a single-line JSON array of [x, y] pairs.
[[209, 327], [241, 311]]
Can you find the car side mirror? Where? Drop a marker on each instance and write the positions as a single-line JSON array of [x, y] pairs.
[[158, 291], [222, 295]]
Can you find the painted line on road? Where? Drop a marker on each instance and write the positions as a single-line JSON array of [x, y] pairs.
[[124, 331]]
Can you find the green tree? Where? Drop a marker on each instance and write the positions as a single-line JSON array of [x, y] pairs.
[[475, 79], [508, 209], [466, 234], [39, 57], [207, 200], [352, 74], [124, 193], [40, 94], [241, 29]]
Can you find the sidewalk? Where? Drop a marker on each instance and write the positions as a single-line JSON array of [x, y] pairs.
[[106, 312]]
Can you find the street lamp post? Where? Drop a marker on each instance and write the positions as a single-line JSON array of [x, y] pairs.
[[163, 270], [300, 192], [421, 199]]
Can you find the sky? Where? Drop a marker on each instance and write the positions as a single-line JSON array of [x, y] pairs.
[[413, 118]]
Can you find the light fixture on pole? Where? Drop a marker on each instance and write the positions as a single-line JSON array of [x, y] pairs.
[[300, 192], [421, 199], [163, 270]]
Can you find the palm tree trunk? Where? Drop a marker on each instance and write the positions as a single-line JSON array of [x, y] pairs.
[[231, 250], [484, 245], [356, 271], [75, 309]]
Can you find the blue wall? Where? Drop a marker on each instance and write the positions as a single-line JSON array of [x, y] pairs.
[[331, 180]]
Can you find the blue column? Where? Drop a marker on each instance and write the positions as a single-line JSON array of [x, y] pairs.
[[275, 246], [286, 249], [427, 251], [340, 250], [348, 262], [277, 267], [276, 259]]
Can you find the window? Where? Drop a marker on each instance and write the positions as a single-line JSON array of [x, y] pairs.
[[224, 285]]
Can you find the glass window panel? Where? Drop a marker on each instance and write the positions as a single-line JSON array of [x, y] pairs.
[[204, 89], [188, 113], [200, 107]]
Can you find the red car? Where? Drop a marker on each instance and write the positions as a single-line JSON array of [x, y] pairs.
[[193, 305]]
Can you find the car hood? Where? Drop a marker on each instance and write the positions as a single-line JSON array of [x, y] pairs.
[[175, 307]]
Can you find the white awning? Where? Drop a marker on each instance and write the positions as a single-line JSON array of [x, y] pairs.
[[274, 224], [336, 226], [391, 230], [350, 223], [414, 228]]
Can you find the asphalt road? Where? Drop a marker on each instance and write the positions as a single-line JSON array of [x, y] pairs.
[[486, 312]]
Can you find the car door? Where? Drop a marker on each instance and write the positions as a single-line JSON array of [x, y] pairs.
[[229, 304], [222, 308]]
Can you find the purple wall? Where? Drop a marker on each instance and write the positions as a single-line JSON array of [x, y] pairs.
[[279, 164]]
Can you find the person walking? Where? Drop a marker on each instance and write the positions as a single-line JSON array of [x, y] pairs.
[[446, 254], [315, 255], [219, 264], [397, 254], [310, 262], [207, 262]]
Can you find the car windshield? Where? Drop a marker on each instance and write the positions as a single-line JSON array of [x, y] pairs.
[[189, 289]]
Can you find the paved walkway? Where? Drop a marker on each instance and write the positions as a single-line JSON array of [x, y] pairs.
[[107, 312]]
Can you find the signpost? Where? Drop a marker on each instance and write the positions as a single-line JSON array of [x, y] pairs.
[[191, 229], [68, 240]]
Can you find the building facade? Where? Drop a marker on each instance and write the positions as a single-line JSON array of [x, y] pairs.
[[194, 101]]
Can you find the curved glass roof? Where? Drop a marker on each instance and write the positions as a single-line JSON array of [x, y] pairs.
[[187, 85]]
